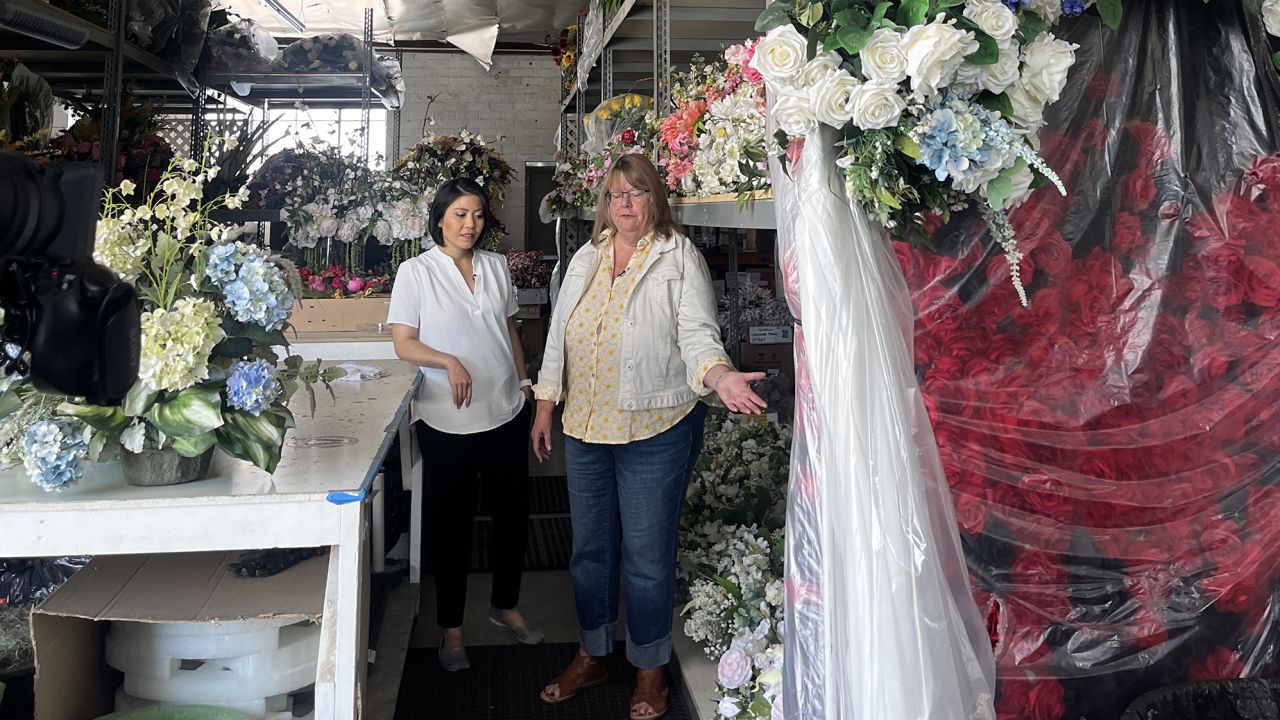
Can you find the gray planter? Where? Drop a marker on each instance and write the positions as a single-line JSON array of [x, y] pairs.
[[163, 467]]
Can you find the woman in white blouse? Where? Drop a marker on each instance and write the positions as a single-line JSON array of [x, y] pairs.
[[452, 313]]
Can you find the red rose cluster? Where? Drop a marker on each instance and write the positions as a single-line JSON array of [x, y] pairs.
[[1113, 449]]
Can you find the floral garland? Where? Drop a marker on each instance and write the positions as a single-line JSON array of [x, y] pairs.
[[336, 282], [437, 158], [934, 114], [731, 557], [714, 141], [213, 311]]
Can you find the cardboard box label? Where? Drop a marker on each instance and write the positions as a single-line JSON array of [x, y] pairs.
[[770, 335]]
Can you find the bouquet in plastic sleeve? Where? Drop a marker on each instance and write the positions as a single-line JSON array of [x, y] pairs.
[[213, 310], [936, 112], [715, 139], [570, 193], [613, 116]]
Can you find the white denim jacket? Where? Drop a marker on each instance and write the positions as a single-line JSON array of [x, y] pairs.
[[670, 337]]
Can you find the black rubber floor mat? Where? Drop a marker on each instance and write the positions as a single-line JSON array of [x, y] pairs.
[[503, 684], [548, 495], [550, 544]]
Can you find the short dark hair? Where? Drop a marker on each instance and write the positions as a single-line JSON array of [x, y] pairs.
[[450, 191]]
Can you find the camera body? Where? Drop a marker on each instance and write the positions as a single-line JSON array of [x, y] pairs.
[[70, 325]]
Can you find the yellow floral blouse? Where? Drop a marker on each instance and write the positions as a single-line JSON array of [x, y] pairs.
[[592, 342]]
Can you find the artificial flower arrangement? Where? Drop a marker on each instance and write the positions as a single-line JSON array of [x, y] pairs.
[[934, 112], [731, 560], [437, 158], [565, 53], [714, 140], [570, 192], [214, 309], [337, 282]]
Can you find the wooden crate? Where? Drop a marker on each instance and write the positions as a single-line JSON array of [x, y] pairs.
[[346, 315]]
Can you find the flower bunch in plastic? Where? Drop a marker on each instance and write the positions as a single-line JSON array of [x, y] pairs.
[[214, 311], [570, 192], [714, 140], [933, 112]]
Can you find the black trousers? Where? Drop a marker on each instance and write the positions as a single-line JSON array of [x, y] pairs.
[[500, 459]]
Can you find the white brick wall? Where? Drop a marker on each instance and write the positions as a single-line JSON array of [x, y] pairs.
[[519, 98]]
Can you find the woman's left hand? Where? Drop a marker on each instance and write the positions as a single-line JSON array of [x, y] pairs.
[[735, 391], [528, 393]]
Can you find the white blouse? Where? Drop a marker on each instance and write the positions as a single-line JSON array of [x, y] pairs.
[[429, 294]]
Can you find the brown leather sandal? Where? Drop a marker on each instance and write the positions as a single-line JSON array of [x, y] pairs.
[[651, 688], [583, 672]]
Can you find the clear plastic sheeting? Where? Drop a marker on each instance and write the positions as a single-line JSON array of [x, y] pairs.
[[1112, 450], [880, 620]]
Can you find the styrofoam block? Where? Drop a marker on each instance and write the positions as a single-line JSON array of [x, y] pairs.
[[288, 668], [125, 702], [190, 641]]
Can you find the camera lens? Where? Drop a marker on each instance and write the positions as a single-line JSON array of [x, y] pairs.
[[30, 206]]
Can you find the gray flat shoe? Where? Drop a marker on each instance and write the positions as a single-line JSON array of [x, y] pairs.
[[453, 660], [525, 634]]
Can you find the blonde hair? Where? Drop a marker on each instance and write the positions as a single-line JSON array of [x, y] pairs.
[[640, 172]]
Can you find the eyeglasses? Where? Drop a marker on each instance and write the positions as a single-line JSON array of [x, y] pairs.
[[633, 194]]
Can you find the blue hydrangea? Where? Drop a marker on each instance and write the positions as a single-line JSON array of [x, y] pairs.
[[952, 142], [253, 287], [252, 386], [1072, 7], [52, 451]]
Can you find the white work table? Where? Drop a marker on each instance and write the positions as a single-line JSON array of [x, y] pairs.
[[317, 497]]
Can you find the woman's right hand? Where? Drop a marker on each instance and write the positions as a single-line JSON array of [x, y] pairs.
[[460, 383], [541, 433]]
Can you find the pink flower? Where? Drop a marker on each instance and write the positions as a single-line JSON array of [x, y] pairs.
[[355, 285], [316, 282]]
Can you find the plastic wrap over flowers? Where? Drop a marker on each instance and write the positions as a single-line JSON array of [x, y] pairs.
[[1112, 449]]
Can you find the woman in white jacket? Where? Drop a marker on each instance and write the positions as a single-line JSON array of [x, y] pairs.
[[632, 347]]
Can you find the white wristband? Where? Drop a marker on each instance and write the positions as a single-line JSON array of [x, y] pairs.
[[526, 383]]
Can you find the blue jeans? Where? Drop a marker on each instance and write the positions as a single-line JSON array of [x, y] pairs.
[[625, 503]]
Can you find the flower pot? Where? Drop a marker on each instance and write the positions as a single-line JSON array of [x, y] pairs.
[[163, 467]]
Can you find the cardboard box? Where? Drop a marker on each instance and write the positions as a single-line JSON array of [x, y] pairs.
[[770, 334], [346, 315], [767, 357], [533, 296], [74, 682]]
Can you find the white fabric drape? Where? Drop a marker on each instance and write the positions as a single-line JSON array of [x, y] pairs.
[[880, 620]]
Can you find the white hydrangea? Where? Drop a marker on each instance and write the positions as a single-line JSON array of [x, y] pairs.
[[176, 344]]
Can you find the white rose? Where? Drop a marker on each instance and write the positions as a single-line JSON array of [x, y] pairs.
[[728, 707], [1028, 111], [882, 58], [1050, 10], [993, 17], [792, 113], [998, 77], [816, 71], [934, 52], [780, 55], [327, 226], [877, 105], [1271, 16], [833, 99], [1046, 62]]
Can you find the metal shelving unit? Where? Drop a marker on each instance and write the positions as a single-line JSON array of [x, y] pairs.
[[756, 214]]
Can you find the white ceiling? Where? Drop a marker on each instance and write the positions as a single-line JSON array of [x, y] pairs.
[[470, 24]]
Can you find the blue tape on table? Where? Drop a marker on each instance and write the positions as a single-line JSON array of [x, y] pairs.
[[342, 497]]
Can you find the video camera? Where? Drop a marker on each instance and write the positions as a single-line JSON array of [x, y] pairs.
[[70, 325]]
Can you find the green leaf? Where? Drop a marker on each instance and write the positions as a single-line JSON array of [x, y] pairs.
[[194, 411], [810, 14], [838, 6], [234, 347], [988, 52], [139, 400], [194, 445], [9, 404], [1031, 26], [908, 147], [97, 444], [852, 39], [728, 586], [999, 189], [997, 103], [946, 4], [256, 439], [912, 12], [760, 707], [236, 329], [1112, 12], [774, 16], [1276, 60], [330, 374], [811, 46], [108, 419], [881, 11]]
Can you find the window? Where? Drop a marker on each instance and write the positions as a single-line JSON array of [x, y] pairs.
[[335, 126]]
